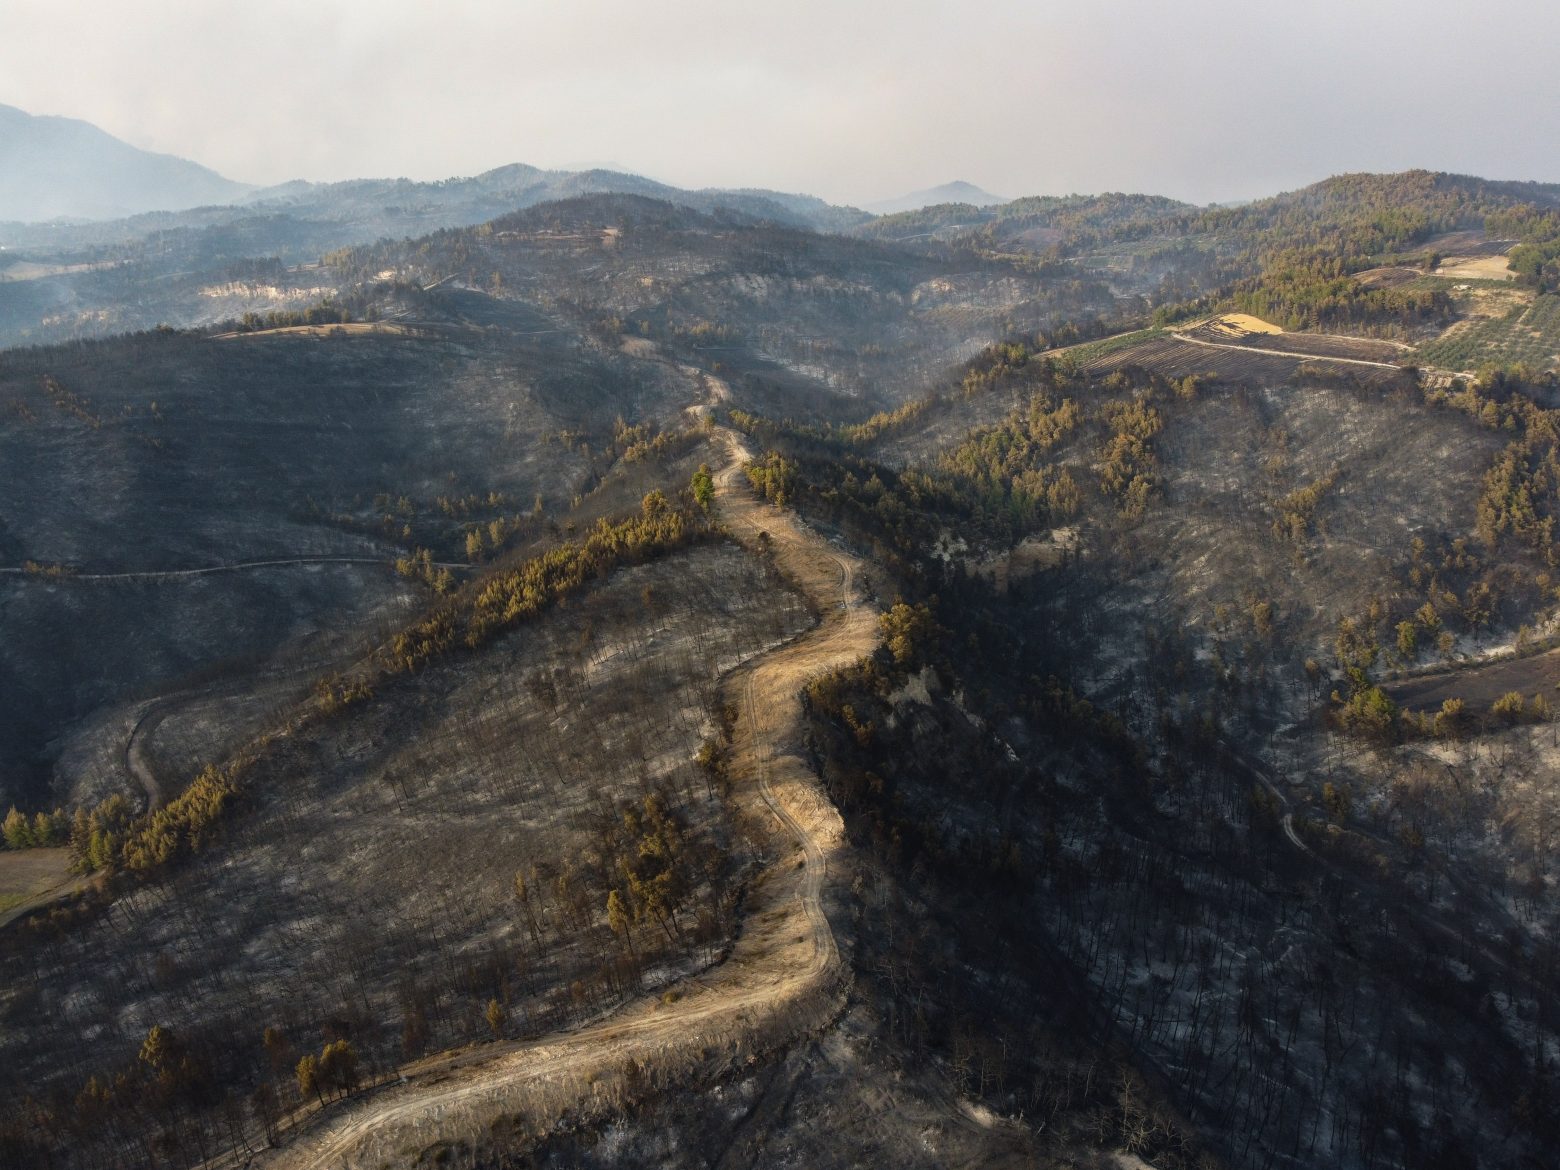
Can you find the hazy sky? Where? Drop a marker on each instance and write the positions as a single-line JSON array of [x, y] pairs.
[[853, 101]]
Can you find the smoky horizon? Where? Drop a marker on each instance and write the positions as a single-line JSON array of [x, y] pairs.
[[1202, 102]]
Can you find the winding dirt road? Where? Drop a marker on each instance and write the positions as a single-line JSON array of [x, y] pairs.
[[784, 976]]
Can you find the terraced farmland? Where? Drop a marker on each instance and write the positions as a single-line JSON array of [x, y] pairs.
[[1527, 333], [1178, 359], [1174, 357], [1393, 276], [1310, 345]]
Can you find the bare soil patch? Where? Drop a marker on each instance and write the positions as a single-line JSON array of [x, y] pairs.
[[30, 878], [1042, 237], [1484, 304], [1479, 686], [1476, 268], [31, 270], [1234, 326]]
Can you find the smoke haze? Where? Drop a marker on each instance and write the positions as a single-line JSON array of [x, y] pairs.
[[854, 102]]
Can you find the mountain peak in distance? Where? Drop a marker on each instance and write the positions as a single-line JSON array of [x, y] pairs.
[[53, 168], [956, 192]]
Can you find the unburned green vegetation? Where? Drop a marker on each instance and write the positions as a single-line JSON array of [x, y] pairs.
[[1524, 335]]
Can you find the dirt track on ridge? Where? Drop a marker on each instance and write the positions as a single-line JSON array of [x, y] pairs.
[[1299, 357], [784, 975]]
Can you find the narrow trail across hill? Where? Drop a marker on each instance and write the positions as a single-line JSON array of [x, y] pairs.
[[1470, 945], [209, 570], [784, 976], [136, 762], [150, 714]]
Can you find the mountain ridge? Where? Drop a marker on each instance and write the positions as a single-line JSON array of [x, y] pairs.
[[958, 191], [54, 167]]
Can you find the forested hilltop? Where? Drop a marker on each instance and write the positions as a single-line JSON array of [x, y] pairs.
[[1291, 253]]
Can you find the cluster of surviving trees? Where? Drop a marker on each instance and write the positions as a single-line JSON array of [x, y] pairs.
[[1074, 438], [42, 830], [325, 313], [1320, 292], [1521, 494], [773, 476], [174, 1102], [1295, 513], [1536, 257], [512, 595], [94, 835]]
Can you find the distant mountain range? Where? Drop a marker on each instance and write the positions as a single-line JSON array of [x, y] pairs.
[[55, 168], [510, 188], [956, 192], [52, 168], [63, 169]]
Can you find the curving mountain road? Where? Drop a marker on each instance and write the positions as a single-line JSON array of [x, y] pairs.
[[784, 975]]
